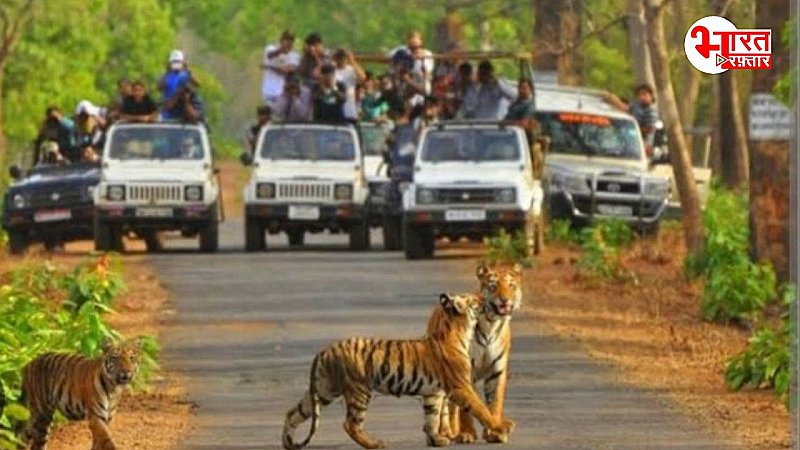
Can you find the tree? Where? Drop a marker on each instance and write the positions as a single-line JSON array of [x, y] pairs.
[[770, 187], [679, 151], [556, 31], [637, 41], [15, 15]]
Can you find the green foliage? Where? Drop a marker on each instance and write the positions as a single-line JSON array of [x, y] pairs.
[[505, 247], [783, 88], [736, 288], [3, 239], [47, 310], [766, 362], [602, 246], [561, 231]]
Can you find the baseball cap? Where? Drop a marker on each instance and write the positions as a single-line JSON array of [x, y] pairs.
[[176, 56], [85, 106]]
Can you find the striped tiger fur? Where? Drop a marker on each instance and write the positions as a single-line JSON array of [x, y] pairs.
[[80, 388], [429, 367], [501, 292]]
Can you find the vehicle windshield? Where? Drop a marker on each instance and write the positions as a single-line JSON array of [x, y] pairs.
[[156, 143], [588, 134], [479, 145], [314, 144], [373, 139]]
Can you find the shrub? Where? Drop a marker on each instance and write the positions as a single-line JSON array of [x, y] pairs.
[[602, 246], [504, 247], [46, 310], [561, 231], [3, 240], [736, 289], [766, 361]]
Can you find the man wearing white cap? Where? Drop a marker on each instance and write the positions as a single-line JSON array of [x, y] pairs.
[[177, 75]]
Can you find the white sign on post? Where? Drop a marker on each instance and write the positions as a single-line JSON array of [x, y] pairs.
[[769, 118]]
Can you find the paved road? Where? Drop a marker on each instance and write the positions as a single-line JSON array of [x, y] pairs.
[[247, 326]]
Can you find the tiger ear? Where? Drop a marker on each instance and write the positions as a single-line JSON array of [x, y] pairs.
[[482, 271], [445, 300], [107, 344]]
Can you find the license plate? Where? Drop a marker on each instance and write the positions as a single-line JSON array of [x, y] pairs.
[[465, 215], [154, 212], [52, 216], [303, 212], [615, 210]]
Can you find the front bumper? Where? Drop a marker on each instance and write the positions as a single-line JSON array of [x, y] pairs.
[[509, 219], [276, 215], [160, 217], [586, 208], [79, 224]]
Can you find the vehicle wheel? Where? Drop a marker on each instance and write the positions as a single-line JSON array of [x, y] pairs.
[[104, 236], [152, 242], [51, 244], [418, 242], [17, 242], [254, 238], [296, 237], [209, 236], [359, 236], [392, 233]]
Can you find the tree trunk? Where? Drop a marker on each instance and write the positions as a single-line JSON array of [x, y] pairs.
[[733, 139], [556, 31], [448, 31], [679, 153], [769, 160], [637, 41]]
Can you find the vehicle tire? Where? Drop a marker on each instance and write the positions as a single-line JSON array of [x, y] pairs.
[[17, 242], [152, 242], [209, 235], [359, 236], [418, 242], [51, 244], [392, 233], [254, 238], [104, 236], [296, 238]]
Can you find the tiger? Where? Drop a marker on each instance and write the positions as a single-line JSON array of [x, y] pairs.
[[80, 388], [501, 294], [436, 364]]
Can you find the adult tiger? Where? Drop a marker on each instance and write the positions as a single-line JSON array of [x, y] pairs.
[[429, 367], [501, 292], [80, 388]]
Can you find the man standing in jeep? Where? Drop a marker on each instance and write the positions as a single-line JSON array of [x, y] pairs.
[[643, 109]]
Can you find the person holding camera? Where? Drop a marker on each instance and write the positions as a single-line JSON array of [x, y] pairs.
[[55, 128], [279, 60], [177, 76], [185, 105], [294, 105]]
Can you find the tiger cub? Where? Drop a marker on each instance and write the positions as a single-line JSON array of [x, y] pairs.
[[501, 292], [78, 387], [435, 365]]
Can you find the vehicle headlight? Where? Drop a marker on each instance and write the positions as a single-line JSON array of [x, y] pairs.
[[506, 195], [193, 193], [265, 190], [343, 192], [19, 201], [115, 192], [425, 196], [569, 183], [657, 188]]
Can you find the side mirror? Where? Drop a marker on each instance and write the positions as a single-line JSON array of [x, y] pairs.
[[246, 159], [15, 172]]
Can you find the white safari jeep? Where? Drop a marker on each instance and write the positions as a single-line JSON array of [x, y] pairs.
[[596, 167], [156, 177], [306, 178], [470, 179]]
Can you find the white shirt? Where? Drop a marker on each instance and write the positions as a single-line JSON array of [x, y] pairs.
[[273, 80], [347, 76]]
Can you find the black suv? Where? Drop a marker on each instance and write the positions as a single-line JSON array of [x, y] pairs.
[[51, 204]]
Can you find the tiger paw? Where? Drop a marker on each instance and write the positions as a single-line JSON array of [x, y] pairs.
[[506, 427], [466, 437], [495, 438], [438, 441]]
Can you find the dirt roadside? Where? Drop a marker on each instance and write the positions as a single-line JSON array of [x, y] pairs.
[[157, 419], [651, 332]]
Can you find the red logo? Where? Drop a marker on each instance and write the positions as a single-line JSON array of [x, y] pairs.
[[713, 45]]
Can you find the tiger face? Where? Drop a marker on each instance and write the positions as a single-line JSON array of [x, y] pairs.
[[460, 305], [501, 288], [121, 362]]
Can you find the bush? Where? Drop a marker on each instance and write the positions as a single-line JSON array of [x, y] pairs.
[[504, 247], [736, 289], [46, 310], [602, 246], [560, 231], [766, 361], [3, 240]]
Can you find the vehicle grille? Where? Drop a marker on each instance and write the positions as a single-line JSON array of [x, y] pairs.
[[57, 197], [155, 193], [618, 187], [305, 191], [466, 196]]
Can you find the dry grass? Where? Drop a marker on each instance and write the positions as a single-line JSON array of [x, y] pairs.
[[234, 178], [157, 419], [651, 330]]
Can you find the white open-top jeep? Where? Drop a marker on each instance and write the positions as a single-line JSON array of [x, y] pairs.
[[156, 177], [306, 178]]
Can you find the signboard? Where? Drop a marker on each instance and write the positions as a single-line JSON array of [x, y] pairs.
[[548, 77], [769, 118]]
